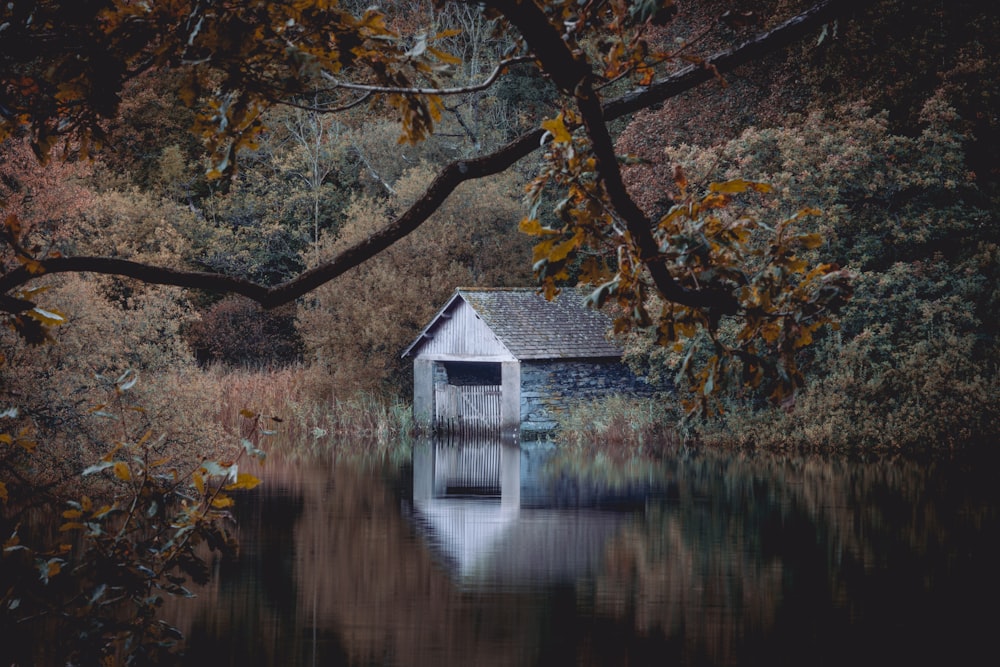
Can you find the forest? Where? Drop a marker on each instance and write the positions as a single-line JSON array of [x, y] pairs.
[[222, 222]]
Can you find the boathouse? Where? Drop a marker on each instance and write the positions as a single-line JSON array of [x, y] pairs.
[[510, 360]]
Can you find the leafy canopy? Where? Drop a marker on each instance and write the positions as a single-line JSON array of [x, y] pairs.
[[64, 64]]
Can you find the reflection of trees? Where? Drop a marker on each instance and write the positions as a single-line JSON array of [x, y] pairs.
[[339, 571], [805, 553], [741, 559]]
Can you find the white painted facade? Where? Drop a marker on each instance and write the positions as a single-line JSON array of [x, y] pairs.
[[463, 337]]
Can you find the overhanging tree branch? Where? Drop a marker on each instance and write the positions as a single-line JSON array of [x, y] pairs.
[[573, 75], [761, 45], [447, 180], [457, 173]]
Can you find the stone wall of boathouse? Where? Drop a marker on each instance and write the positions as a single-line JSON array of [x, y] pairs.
[[549, 387]]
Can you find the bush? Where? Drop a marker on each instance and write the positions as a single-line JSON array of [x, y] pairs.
[[238, 332]]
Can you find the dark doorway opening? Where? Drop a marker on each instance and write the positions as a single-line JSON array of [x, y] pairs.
[[472, 373]]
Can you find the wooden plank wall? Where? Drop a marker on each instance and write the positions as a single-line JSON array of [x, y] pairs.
[[470, 410], [463, 336]]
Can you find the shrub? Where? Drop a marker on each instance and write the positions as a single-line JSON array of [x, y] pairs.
[[618, 426], [238, 332], [89, 594]]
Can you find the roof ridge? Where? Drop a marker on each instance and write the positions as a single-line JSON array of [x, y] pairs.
[[532, 327], [536, 290]]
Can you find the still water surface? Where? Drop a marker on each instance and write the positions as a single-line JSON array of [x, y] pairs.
[[498, 555]]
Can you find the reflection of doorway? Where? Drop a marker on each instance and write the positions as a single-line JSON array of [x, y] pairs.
[[485, 540], [468, 399], [471, 469], [461, 468]]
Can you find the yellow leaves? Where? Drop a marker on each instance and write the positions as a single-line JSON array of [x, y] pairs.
[[795, 264], [49, 317], [811, 241], [803, 212], [738, 186], [243, 481], [33, 266], [189, 92], [557, 128], [444, 56], [107, 458], [435, 105], [562, 250], [417, 114], [686, 328], [122, 471], [374, 22], [52, 568], [770, 331], [533, 227], [444, 34], [805, 334], [249, 414], [13, 227], [594, 271], [676, 212], [72, 514], [715, 200], [21, 440], [680, 180], [220, 502], [199, 481]]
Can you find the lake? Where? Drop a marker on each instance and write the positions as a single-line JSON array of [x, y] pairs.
[[494, 554]]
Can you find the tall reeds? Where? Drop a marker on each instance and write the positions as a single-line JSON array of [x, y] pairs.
[[305, 415], [619, 426]]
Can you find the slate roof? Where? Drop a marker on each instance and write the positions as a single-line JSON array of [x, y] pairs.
[[533, 328]]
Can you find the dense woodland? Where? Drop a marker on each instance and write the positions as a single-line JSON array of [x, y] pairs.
[[823, 271]]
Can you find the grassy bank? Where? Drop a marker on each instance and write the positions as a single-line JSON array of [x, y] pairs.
[[619, 427]]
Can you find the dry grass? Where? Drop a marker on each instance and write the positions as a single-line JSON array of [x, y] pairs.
[[306, 416], [619, 426]]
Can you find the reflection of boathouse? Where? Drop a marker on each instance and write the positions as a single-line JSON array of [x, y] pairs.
[[483, 507], [499, 359]]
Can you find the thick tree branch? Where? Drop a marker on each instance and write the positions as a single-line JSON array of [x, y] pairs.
[[639, 226], [450, 178], [763, 44], [576, 77]]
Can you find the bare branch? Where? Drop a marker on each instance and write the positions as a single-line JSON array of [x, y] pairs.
[[371, 170], [460, 90], [323, 108]]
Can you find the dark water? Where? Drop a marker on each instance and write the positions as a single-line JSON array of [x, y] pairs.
[[498, 556]]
